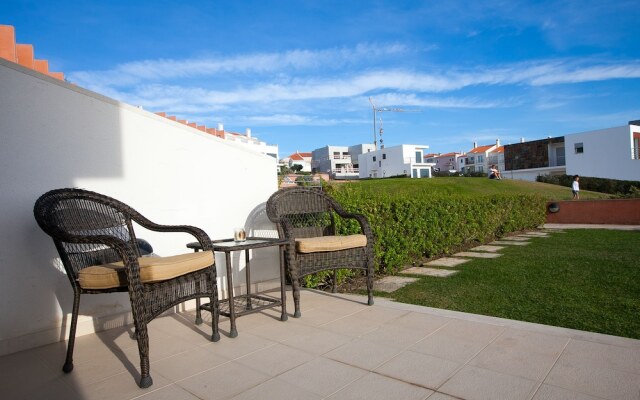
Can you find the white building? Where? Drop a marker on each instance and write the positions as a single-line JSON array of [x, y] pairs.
[[606, 153], [251, 142], [340, 162], [496, 157], [57, 135], [402, 160], [299, 158], [476, 159]]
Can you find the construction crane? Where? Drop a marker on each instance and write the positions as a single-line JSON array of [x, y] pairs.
[[379, 110]]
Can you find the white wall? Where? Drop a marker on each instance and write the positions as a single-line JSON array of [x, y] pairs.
[[391, 161], [607, 154], [57, 135], [531, 174]]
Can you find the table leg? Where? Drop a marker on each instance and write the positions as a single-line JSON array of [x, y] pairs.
[[233, 332], [247, 268], [283, 296]]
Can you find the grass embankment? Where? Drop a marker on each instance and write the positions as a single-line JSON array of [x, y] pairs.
[[461, 186], [582, 279]]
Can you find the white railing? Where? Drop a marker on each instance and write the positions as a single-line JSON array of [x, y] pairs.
[[340, 157], [345, 171]]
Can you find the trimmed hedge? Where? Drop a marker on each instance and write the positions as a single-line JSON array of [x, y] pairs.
[[410, 226]]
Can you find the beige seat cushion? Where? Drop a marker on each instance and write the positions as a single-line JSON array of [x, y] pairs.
[[329, 243], [152, 269]]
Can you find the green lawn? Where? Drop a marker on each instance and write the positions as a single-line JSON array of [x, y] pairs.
[[581, 279], [465, 186]]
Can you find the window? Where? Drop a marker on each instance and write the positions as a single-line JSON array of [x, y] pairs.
[[419, 157], [470, 160], [384, 156], [480, 159], [579, 148], [635, 152], [379, 164], [424, 173], [374, 158]]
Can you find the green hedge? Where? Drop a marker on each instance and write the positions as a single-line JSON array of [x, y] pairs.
[[409, 226]]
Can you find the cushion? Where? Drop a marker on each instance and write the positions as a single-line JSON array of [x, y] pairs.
[[152, 269], [329, 243]]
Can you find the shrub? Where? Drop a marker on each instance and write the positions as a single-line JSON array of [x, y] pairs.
[[407, 226], [612, 186]]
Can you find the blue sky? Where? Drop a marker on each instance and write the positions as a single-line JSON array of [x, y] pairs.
[[300, 73]]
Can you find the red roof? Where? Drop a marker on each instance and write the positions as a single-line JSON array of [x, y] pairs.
[[481, 149], [300, 156], [449, 154], [498, 150]]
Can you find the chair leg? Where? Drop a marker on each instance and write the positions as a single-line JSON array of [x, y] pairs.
[[68, 364], [295, 282], [143, 349], [198, 312], [335, 280], [215, 314], [370, 285]]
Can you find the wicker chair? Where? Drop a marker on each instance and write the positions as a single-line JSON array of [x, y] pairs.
[[307, 217], [97, 245]]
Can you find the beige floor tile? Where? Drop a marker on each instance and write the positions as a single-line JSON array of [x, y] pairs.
[[277, 389], [223, 382], [458, 341], [320, 316], [104, 367], [397, 335], [279, 331], [520, 353], [547, 392], [322, 376], [318, 342], [603, 355], [239, 346], [171, 392], [425, 323], [379, 314], [121, 386], [442, 396], [473, 383], [187, 364], [363, 354], [378, 387], [276, 359], [420, 369], [595, 380], [352, 326]]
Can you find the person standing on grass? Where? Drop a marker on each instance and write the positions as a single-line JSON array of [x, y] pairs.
[[575, 187]]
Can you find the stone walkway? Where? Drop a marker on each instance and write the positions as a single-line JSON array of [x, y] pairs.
[[435, 267]]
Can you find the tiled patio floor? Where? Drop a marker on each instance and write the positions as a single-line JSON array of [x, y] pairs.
[[339, 349]]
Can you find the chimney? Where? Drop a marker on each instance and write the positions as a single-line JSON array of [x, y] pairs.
[[248, 132], [497, 142], [220, 127], [521, 140], [475, 144], [8, 42]]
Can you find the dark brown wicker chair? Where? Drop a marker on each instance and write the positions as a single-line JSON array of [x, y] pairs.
[[95, 239], [303, 213]]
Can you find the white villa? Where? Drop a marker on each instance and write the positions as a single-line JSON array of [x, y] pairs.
[[340, 162], [405, 159]]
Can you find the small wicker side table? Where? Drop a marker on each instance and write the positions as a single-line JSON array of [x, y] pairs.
[[237, 306]]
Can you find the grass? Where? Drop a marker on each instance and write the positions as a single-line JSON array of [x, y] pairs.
[[461, 186], [582, 279]]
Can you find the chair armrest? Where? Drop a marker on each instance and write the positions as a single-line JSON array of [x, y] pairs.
[[364, 224], [200, 235]]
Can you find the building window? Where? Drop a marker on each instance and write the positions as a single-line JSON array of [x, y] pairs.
[[384, 156], [379, 164], [635, 152], [419, 157], [374, 158], [579, 148], [470, 160]]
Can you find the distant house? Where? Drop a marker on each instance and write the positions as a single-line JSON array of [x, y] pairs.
[[448, 162], [476, 159], [605, 153], [340, 162], [496, 157], [298, 158], [406, 159], [527, 160]]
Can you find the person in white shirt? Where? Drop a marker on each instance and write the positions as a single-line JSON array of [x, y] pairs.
[[575, 187]]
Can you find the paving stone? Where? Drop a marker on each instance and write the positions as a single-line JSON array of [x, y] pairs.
[[536, 233], [477, 255], [488, 248], [446, 262], [392, 283], [429, 272], [510, 243], [516, 238]]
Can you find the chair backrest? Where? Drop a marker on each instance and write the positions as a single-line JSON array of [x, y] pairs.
[[67, 213], [309, 210]]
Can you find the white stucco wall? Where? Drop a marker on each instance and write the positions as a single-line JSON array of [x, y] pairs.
[[607, 153], [56, 135], [399, 160]]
